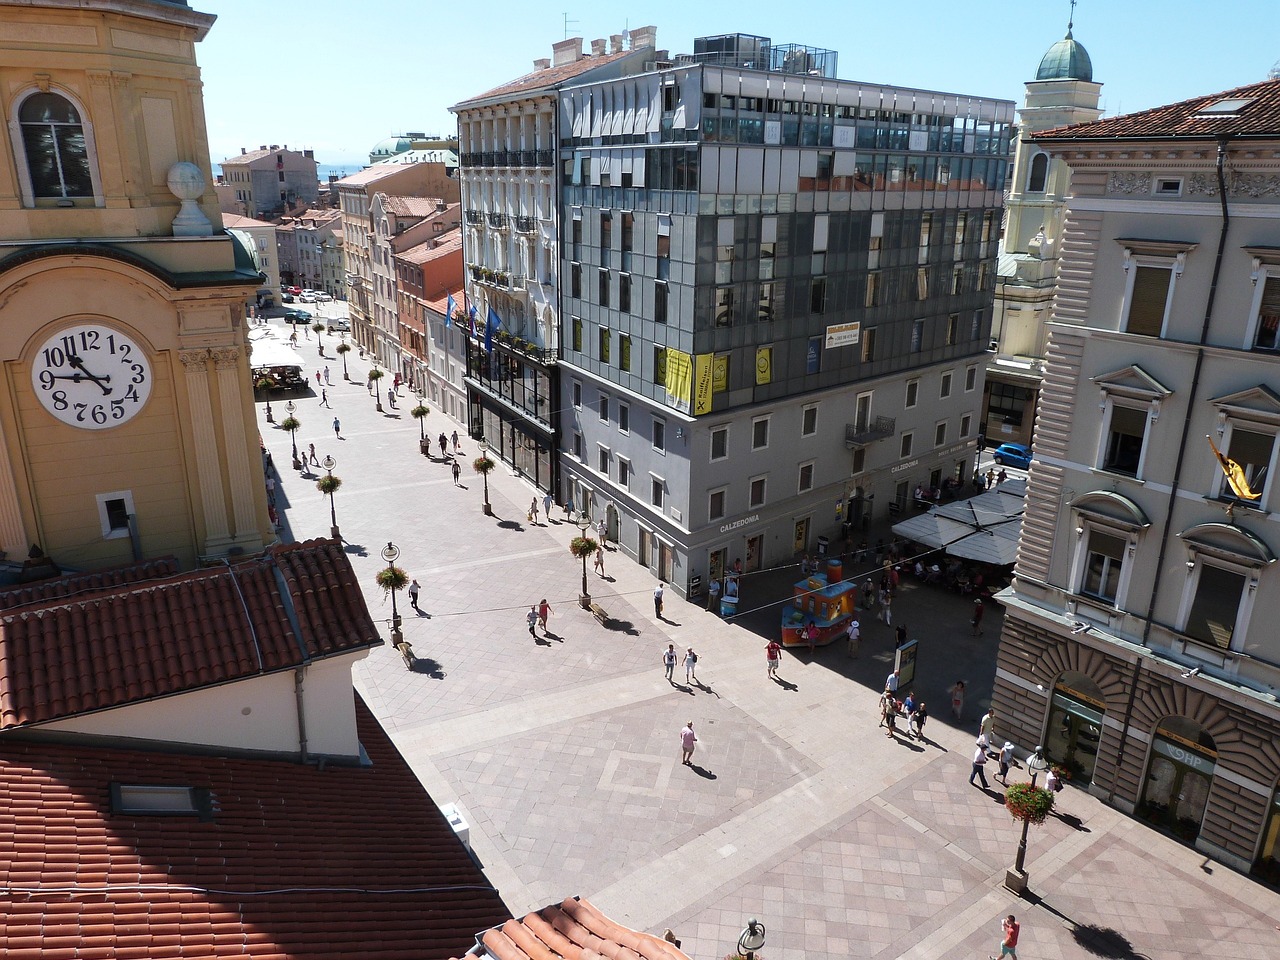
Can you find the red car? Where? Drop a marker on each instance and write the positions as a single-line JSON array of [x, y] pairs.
[[294, 290]]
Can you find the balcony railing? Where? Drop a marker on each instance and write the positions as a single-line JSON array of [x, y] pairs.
[[860, 434], [497, 220], [495, 278], [475, 217], [546, 158], [525, 224]]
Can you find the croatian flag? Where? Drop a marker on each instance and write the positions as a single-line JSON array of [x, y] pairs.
[[450, 306]]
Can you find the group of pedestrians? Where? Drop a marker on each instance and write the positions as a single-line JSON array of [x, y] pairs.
[[538, 616], [891, 708], [670, 658]]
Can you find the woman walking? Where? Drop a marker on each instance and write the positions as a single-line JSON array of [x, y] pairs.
[[690, 666], [957, 698]]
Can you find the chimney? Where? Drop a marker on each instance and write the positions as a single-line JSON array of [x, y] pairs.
[[543, 64], [615, 43], [262, 146], [566, 52], [309, 154], [597, 48], [644, 37], [243, 151]]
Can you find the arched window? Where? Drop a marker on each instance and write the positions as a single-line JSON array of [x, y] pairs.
[[57, 151], [1039, 173]]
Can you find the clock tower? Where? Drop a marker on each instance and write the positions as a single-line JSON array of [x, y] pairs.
[[127, 428]]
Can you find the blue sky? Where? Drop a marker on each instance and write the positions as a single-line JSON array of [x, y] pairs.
[[339, 76]]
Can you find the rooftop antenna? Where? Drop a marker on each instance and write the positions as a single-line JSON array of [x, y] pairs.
[[568, 23]]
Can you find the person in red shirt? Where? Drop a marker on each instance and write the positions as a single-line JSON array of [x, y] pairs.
[[772, 654], [1009, 943]]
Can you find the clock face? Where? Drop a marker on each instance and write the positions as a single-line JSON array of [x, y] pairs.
[[91, 376]]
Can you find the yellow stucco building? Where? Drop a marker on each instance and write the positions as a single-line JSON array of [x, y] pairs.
[[127, 423]]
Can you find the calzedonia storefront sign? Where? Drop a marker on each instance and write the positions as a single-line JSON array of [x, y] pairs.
[[908, 464], [741, 522]]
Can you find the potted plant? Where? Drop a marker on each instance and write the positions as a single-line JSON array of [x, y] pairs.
[[1028, 804]]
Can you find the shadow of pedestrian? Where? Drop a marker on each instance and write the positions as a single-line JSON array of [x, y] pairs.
[[553, 636], [541, 641], [511, 525], [428, 667], [784, 684], [1072, 821], [702, 772]]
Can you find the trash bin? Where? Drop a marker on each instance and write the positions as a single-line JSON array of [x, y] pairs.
[[823, 543]]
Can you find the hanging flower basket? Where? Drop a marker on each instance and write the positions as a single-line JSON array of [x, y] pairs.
[[482, 465], [583, 547], [1027, 803], [264, 383], [1062, 773], [420, 411], [290, 424], [328, 484], [343, 347], [375, 374], [391, 578]]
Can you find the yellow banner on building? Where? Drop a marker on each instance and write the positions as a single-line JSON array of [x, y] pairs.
[[720, 373], [679, 379], [702, 383], [764, 365]]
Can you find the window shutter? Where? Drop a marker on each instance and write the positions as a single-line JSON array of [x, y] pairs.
[[1146, 308]]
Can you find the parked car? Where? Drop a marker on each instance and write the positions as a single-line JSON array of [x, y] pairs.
[[307, 296], [294, 290], [286, 297], [340, 325], [1013, 455], [297, 316], [322, 297]]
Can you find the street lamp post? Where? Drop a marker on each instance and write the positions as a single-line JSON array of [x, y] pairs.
[[752, 939], [293, 424], [391, 553], [484, 456], [343, 349], [1016, 879], [329, 462], [584, 524]]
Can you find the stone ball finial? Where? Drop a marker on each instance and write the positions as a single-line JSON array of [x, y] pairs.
[[186, 182]]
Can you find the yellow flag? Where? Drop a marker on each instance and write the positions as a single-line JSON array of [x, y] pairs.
[[1234, 473], [764, 365]]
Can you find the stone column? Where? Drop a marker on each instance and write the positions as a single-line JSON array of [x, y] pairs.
[[13, 533], [205, 443], [241, 475]]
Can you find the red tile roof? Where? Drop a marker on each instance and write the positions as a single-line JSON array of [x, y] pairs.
[[574, 930], [80, 649], [77, 583], [433, 249], [234, 220], [296, 862], [541, 79], [1260, 117], [414, 206]]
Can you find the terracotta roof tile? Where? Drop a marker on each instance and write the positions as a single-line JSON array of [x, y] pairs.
[[297, 862], [433, 249], [574, 930], [78, 650], [73, 584], [415, 206], [541, 79], [1194, 119]]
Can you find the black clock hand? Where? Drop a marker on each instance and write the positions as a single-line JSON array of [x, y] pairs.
[[79, 365]]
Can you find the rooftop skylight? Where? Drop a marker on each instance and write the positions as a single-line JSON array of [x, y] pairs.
[[1225, 108]]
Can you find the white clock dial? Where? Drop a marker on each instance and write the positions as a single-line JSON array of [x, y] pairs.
[[91, 376]]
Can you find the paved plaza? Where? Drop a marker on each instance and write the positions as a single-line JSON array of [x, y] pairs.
[[563, 752]]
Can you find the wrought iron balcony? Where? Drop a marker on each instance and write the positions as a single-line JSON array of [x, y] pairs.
[[497, 220], [528, 158], [869, 431], [525, 224], [546, 158], [475, 217]]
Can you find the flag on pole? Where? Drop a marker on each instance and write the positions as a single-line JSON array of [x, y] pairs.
[[490, 325], [448, 311], [1234, 473], [471, 313]]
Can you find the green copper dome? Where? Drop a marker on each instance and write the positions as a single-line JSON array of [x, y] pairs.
[[1066, 60]]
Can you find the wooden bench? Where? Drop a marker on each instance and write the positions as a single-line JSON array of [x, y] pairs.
[[598, 612]]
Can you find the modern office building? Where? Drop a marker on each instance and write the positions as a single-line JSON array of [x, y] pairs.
[[510, 141], [1062, 93], [775, 298], [1139, 644]]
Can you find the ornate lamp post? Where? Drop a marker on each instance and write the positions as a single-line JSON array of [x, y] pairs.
[[419, 413], [292, 423], [374, 376], [584, 524], [482, 465], [392, 578], [752, 939], [343, 349], [1016, 879], [329, 484]]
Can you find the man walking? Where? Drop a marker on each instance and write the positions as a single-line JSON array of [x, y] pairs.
[[532, 619], [457, 447], [687, 740], [337, 428], [713, 597], [854, 633], [457, 472], [413, 595], [891, 683], [1009, 929], [312, 453], [547, 503], [980, 761], [669, 661], [657, 600], [326, 376], [324, 398], [979, 608], [987, 726], [444, 446], [772, 656]]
